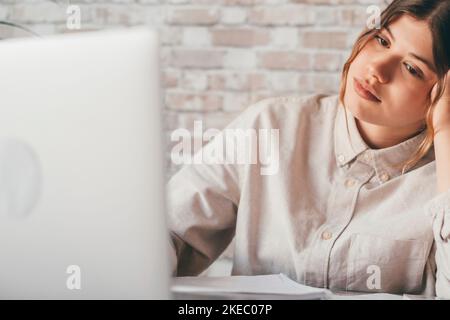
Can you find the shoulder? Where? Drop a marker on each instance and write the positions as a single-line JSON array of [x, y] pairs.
[[281, 110]]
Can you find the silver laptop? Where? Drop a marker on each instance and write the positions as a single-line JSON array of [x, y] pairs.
[[81, 168]]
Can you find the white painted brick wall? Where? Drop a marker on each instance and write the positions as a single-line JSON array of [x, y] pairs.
[[296, 46]]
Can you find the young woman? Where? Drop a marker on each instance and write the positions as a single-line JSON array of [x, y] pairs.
[[361, 197]]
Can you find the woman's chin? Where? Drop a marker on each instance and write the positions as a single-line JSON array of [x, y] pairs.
[[359, 109]]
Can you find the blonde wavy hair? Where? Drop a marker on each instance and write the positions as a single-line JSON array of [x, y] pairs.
[[437, 15]]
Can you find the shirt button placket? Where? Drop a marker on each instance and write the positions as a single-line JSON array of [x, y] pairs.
[[348, 192]]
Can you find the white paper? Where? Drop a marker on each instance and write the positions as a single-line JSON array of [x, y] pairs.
[[368, 296], [265, 286]]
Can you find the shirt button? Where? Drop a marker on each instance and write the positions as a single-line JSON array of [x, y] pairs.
[[349, 183], [326, 235], [367, 157], [341, 158], [384, 177]]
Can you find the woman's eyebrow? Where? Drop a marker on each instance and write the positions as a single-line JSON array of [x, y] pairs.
[[425, 61]]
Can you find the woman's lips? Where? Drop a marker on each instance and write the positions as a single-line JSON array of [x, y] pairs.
[[363, 93]]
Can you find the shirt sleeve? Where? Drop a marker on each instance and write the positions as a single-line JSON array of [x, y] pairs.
[[438, 209], [202, 203]]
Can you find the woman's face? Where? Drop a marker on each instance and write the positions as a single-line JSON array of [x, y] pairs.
[[390, 65]]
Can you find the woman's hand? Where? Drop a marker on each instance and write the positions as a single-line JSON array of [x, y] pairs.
[[441, 123], [441, 113]]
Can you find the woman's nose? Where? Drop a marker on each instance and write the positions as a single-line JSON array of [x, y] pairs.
[[379, 69]]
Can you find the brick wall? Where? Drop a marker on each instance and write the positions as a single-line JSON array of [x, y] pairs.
[[221, 55]]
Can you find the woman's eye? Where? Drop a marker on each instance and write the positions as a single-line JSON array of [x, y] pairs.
[[413, 71], [382, 41], [410, 69]]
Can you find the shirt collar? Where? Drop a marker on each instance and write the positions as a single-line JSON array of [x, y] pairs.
[[350, 145]]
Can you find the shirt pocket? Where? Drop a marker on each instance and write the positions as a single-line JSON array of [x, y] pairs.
[[377, 264]]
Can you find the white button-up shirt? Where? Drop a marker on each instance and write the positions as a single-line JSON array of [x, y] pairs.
[[336, 214]]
